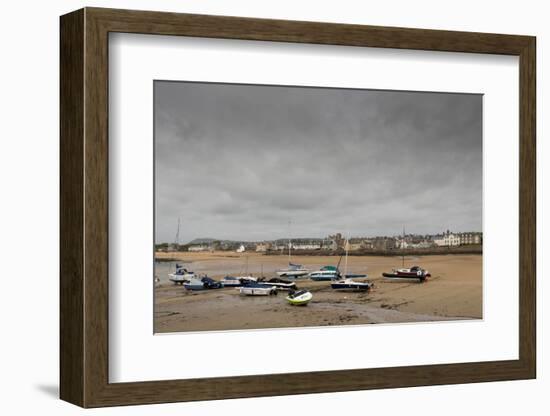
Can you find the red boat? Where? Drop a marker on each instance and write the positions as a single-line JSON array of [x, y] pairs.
[[414, 272]]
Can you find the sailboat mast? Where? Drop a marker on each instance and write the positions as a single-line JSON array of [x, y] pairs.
[[346, 261], [403, 249], [177, 239], [289, 242]]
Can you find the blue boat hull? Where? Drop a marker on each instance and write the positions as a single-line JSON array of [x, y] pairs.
[[322, 278]]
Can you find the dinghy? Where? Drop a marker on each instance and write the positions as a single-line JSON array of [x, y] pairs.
[[350, 284], [280, 284], [202, 284], [300, 298], [254, 289]]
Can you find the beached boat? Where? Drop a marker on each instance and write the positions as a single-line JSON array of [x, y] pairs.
[[194, 283], [245, 277], [279, 283], [350, 284], [231, 281], [326, 273], [237, 281], [347, 275], [181, 275], [254, 289], [293, 270], [211, 283], [300, 298], [202, 283], [415, 272]]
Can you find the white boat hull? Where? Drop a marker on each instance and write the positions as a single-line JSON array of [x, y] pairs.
[[279, 286], [292, 273], [180, 278], [258, 291], [300, 300], [349, 284]]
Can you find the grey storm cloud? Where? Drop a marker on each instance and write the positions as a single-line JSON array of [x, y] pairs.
[[241, 161]]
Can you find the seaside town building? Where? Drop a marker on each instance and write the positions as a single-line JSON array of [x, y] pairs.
[[311, 245], [262, 247], [447, 240], [470, 238], [354, 244], [338, 240]]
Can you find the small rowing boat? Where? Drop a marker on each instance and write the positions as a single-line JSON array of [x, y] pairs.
[[300, 298]]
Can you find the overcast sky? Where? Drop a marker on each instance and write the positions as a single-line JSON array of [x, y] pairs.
[[241, 161]]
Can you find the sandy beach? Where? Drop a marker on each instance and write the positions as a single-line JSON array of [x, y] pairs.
[[453, 292]]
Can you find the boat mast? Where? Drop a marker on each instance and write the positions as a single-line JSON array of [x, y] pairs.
[[403, 249], [346, 261], [177, 239], [289, 242]]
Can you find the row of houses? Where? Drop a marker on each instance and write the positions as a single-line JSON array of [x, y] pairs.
[[299, 244], [450, 239], [337, 241]]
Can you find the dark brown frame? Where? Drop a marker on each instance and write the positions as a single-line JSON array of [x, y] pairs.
[[84, 209]]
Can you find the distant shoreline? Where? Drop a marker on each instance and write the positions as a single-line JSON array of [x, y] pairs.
[[162, 256], [474, 249]]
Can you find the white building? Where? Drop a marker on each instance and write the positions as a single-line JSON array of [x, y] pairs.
[[241, 249], [198, 247], [470, 238], [447, 240], [306, 246]]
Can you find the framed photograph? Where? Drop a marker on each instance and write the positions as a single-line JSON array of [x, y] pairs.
[[255, 207]]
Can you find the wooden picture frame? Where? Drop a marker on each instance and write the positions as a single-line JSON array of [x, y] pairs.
[[84, 207]]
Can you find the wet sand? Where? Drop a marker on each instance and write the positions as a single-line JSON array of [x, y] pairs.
[[453, 292]]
